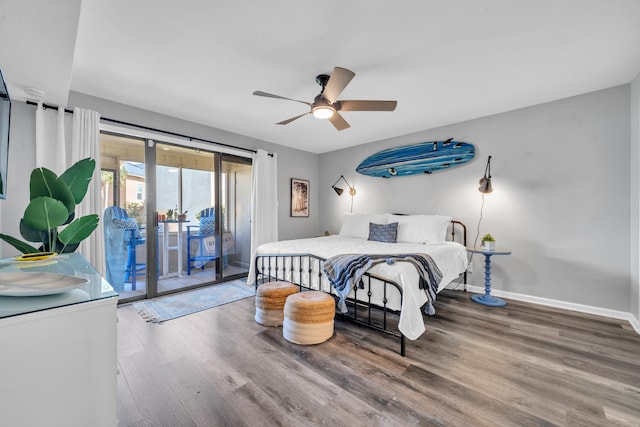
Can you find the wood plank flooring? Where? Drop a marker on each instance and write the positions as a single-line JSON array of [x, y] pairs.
[[518, 365]]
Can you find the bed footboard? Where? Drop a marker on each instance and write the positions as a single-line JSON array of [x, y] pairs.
[[305, 270]]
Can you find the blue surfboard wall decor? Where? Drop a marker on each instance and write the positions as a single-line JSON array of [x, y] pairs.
[[423, 157]]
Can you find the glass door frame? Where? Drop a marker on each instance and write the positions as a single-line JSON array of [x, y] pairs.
[[153, 251], [151, 215]]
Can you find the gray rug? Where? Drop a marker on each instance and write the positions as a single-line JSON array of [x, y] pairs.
[[170, 307]]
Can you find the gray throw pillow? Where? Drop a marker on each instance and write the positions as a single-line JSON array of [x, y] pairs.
[[387, 233]]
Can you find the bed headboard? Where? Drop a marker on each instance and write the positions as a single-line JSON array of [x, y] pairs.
[[457, 232]]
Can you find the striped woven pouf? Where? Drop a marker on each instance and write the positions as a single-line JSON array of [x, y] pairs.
[[308, 317], [270, 299]]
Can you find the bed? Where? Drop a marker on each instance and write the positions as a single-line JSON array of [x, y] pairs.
[[387, 291]]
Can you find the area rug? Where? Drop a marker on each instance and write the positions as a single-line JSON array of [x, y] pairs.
[[170, 307]]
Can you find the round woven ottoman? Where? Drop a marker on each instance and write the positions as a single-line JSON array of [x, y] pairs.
[[308, 317], [270, 299]]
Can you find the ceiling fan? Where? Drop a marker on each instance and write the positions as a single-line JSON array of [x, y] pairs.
[[326, 104]]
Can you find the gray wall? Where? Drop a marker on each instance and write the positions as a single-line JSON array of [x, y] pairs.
[[291, 163], [561, 178], [635, 198], [565, 200], [22, 160]]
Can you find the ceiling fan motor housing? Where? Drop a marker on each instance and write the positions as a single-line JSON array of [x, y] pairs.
[[322, 80]]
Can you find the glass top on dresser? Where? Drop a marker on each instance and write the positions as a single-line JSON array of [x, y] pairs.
[[73, 265]]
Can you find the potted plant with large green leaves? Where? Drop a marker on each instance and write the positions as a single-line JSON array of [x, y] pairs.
[[53, 200]]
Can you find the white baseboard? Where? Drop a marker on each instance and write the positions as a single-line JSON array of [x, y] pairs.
[[598, 311]]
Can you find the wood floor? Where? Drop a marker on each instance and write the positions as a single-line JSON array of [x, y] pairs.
[[518, 365]]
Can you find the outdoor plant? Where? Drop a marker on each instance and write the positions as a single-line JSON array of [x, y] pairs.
[[135, 210], [53, 200]]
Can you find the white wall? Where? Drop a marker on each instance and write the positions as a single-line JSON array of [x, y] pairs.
[[561, 178]]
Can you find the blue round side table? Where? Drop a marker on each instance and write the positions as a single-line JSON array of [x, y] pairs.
[[487, 299]]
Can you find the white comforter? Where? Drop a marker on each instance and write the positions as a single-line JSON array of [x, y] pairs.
[[450, 257]]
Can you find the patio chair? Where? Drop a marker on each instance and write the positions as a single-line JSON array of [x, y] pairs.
[[204, 234], [121, 236]]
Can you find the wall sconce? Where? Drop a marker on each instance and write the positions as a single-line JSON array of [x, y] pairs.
[[339, 191], [352, 191], [485, 181], [485, 188]]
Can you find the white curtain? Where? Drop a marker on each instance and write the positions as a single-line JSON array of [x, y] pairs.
[[51, 147], [85, 142], [264, 199], [52, 153]]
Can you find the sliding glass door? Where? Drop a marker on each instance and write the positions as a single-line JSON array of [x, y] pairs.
[[197, 203], [123, 219], [236, 205], [186, 202]]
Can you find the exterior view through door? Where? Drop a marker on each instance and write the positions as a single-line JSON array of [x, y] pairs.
[[186, 209]]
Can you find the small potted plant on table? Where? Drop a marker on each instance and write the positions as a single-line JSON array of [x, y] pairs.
[[488, 243]]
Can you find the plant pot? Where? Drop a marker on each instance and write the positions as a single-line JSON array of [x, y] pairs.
[[182, 217], [489, 246]]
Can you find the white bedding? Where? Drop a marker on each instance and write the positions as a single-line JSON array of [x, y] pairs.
[[450, 257]]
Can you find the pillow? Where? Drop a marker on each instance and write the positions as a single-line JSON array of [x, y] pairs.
[[127, 224], [207, 225], [357, 225], [421, 228], [383, 232]]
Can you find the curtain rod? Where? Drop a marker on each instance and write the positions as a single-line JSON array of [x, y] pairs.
[[120, 122]]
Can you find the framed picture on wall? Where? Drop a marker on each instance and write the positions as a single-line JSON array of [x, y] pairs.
[[299, 197]]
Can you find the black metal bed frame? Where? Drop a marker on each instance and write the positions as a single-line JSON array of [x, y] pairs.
[[285, 267]]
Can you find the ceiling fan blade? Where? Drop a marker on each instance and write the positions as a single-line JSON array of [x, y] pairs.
[[356, 105], [338, 121], [286, 122], [339, 79], [270, 95]]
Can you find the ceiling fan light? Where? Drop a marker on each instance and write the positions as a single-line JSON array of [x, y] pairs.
[[322, 112]]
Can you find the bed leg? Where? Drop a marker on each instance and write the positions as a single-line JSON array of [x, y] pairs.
[[402, 345]]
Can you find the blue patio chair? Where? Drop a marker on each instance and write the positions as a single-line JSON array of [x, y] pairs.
[[201, 233], [121, 236]]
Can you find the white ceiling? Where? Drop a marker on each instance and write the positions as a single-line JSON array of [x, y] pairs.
[[200, 60]]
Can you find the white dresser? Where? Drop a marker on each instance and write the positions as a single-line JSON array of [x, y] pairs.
[[58, 352]]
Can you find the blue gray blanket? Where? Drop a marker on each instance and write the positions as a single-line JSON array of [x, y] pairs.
[[344, 271]]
